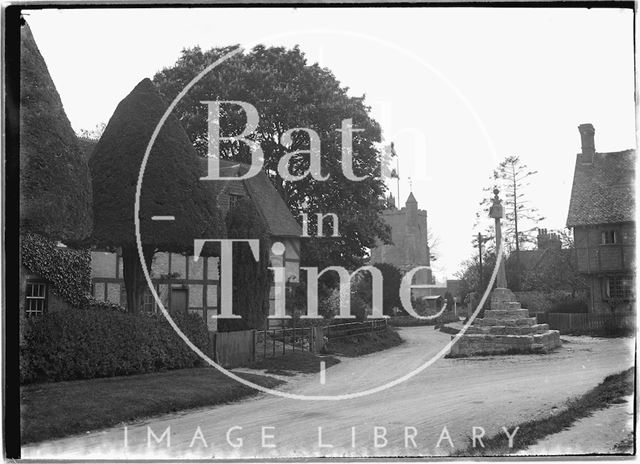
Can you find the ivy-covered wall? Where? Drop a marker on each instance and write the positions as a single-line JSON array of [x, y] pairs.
[[67, 270]]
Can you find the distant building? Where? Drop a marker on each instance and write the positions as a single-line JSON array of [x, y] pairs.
[[602, 215], [549, 244], [409, 247]]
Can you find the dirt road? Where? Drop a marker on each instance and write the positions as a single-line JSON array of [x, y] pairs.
[[409, 419]]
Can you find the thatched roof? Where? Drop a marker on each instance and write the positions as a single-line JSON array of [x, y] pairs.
[[171, 185], [55, 186]]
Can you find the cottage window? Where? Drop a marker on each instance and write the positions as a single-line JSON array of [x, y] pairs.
[[36, 298], [148, 302], [620, 287], [609, 237], [234, 200]]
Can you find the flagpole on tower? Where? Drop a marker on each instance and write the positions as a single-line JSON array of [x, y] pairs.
[[396, 172]]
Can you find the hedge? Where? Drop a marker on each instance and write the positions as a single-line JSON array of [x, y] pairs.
[[77, 344]]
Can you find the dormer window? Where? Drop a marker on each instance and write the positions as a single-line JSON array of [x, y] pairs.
[[609, 237], [234, 200]]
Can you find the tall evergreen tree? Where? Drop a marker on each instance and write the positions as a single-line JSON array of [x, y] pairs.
[[55, 185], [522, 218], [171, 186], [251, 278]]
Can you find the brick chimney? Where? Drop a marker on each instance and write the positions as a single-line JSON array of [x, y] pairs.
[[548, 240], [587, 133], [543, 238]]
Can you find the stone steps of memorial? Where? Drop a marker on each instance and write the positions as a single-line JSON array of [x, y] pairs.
[[505, 329], [506, 313], [511, 322], [508, 330]]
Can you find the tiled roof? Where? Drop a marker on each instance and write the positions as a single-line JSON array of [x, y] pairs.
[[272, 207], [603, 191]]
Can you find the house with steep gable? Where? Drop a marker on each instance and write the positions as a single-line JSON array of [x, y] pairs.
[[602, 216]]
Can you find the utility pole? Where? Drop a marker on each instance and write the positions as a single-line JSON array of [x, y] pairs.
[[481, 284], [481, 240]]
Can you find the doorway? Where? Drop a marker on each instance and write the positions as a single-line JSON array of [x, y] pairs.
[[179, 299]]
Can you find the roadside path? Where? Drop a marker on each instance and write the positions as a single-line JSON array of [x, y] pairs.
[[458, 394], [596, 434]]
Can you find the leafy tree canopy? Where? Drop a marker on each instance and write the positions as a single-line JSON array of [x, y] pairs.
[[290, 93], [55, 186]]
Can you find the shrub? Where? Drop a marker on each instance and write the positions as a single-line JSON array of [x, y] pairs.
[[82, 344], [329, 307], [535, 301]]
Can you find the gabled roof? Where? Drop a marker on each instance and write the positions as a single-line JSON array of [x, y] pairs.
[[603, 191], [274, 210]]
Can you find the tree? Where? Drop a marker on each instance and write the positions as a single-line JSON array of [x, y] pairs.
[[470, 272], [521, 218], [389, 201], [171, 186], [289, 93], [558, 270], [391, 279], [251, 279], [433, 241], [93, 134], [55, 186]]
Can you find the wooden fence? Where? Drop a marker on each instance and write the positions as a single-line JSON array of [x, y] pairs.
[[354, 328], [233, 349], [278, 342], [587, 323]]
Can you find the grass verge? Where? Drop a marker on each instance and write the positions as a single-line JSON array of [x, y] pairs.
[[626, 445], [294, 363], [409, 321], [610, 391], [54, 410], [358, 345]]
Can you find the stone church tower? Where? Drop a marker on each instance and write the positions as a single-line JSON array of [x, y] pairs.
[[409, 236]]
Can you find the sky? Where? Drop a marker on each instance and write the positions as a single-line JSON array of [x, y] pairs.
[[456, 89]]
